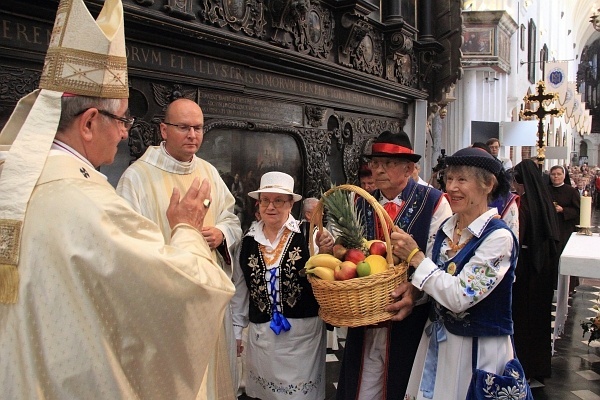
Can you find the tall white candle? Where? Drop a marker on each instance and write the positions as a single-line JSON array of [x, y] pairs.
[[585, 212]]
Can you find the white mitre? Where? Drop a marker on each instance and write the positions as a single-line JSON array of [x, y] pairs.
[[86, 57]]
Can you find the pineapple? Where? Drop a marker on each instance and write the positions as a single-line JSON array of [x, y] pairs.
[[345, 219]]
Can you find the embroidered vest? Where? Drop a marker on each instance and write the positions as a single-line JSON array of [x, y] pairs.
[[492, 316], [297, 299], [419, 203]]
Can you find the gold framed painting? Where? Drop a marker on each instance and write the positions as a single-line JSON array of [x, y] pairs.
[[478, 41]]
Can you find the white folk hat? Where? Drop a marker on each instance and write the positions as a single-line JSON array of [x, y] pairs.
[[86, 57], [276, 182]]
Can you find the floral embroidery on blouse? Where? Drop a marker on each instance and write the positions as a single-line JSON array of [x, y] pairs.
[[480, 279], [285, 388]]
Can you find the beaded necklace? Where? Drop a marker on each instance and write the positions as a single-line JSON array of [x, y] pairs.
[[456, 247], [270, 256]]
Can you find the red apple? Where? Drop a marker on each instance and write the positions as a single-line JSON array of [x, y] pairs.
[[354, 255], [378, 248], [339, 251], [344, 271]]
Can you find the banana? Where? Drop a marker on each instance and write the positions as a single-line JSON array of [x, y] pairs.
[[322, 272], [323, 260]]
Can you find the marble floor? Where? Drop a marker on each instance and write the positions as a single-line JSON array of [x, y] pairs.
[[575, 365]]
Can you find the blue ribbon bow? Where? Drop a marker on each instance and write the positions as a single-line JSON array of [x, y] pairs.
[[437, 334], [279, 322]]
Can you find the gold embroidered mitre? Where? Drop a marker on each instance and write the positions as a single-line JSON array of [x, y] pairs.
[[86, 57]]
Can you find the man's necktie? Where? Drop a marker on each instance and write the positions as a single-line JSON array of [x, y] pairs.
[[392, 209]]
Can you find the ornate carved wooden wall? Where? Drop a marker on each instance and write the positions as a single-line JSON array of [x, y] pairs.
[[327, 73]]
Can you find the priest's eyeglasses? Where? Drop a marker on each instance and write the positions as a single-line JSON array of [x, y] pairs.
[[127, 121], [277, 203], [199, 129]]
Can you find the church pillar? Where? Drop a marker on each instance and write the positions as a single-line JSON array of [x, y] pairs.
[[470, 106]]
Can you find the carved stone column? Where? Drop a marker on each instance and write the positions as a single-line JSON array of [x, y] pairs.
[[425, 21]]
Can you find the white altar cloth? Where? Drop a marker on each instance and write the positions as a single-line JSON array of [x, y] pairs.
[[579, 258]]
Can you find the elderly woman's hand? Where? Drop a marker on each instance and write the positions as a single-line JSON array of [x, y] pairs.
[[325, 242], [405, 247]]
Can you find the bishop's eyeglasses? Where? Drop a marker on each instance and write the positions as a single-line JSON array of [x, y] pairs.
[[127, 121]]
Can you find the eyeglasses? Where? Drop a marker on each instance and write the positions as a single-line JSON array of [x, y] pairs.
[[277, 203], [385, 163], [127, 121], [186, 128]]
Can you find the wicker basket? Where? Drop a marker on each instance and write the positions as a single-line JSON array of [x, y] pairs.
[[358, 301]]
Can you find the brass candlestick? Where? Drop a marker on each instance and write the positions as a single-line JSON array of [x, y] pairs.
[[584, 230]]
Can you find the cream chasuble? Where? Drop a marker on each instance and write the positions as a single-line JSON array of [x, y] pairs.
[[147, 185], [106, 310]]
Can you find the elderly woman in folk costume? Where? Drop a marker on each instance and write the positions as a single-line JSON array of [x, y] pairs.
[[277, 302], [469, 277]]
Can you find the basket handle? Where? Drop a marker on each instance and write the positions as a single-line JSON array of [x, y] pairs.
[[383, 217]]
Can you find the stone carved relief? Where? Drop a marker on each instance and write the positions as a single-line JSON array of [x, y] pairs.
[[239, 15], [163, 94], [315, 115], [142, 135], [306, 25], [427, 67], [354, 135], [318, 146], [16, 83], [145, 2], [401, 62], [181, 9], [363, 47]]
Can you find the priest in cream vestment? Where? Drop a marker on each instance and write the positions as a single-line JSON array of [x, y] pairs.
[[147, 185], [94, 302]]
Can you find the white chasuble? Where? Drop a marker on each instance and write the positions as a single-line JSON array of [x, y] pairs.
[[106, 309], [147, 185]]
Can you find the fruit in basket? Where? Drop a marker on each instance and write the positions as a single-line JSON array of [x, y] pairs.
[[354, 255], [344, 271], [323, 260], [378, 263], [363, 268], [324, 273], [378, 247], [339, 251]]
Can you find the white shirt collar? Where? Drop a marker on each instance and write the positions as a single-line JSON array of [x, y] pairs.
[[383, 200], [476, 227], [256, 230]]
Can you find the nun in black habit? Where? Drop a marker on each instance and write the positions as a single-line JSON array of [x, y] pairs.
[[536, 271]]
